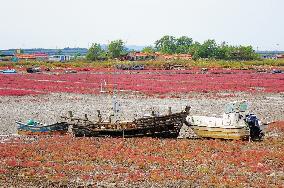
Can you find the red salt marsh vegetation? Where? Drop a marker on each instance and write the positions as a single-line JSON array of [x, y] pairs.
[[142, 162], [149, 82]]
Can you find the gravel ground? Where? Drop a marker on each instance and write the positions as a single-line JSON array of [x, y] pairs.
[[48, 108]]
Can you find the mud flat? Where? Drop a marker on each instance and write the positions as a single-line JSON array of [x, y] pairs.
[[49, 108]]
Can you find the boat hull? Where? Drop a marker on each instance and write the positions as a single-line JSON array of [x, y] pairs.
[[167, 126], [31, 133], [9, 71], [164, 132], [234, 133], [54, 129]]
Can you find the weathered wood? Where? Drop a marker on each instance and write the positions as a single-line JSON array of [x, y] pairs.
[[170, 111], [70, 114], [156, 126]]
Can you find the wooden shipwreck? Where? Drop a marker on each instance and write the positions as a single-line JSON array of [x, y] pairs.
[[165, 126]]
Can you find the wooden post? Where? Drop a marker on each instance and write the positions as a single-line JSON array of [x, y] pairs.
[[109, 118], [99, 116], [187, 109], [70, 114], [170, 110]]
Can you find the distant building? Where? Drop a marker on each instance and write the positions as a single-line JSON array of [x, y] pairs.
[[64, 51], [270, 54], [41, 56], [26, 56], [35, 56], [183, 56], [59, 58], [174, 56], [140, 56], [281, 56]]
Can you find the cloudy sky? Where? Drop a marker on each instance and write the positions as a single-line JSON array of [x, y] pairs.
[[78, 23]]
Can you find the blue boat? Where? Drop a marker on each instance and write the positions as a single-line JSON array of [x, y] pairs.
[[35, 128], [9, 71]]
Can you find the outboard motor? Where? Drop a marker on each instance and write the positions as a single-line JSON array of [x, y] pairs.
[[253, 123]]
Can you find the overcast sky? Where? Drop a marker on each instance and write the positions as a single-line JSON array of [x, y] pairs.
[[74, 23]]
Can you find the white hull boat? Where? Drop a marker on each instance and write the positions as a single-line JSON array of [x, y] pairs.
[[234, 124]]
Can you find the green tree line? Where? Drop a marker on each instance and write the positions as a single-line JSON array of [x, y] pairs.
[[209, 49], [114, 50]]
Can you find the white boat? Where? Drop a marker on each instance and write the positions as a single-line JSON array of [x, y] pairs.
[[235, 124]]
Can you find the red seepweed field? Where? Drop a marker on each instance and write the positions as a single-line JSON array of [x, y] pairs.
[[149, 82], [144, 162], [138, 162]]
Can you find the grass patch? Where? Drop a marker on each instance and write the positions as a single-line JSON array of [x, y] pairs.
[[267, 63]]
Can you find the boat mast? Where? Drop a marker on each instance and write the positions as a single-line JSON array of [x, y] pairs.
[[115, 103]]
